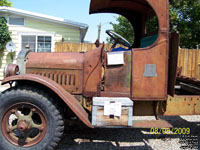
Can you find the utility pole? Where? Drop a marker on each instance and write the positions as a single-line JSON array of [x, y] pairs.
[[97, 43], [99, 31]]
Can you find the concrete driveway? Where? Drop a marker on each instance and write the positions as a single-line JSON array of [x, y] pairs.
[[3, 87]]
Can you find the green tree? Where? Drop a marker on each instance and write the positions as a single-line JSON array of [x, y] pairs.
[[124, 28], [184, 18], [4, 33], [5, 3]]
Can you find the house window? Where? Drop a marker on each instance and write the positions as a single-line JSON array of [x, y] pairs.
[[37, 43], [44, 44], [16, 21], [30, 41]]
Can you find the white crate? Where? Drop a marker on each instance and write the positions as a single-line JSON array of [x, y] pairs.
[[107, 111]]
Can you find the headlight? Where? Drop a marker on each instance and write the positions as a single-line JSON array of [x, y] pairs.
[[11, 70]]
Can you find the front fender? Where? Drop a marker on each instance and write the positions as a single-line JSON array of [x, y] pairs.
[[69, 99]]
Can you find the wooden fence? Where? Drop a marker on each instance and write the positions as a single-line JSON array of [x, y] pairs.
[[188, 59], [76, 47]]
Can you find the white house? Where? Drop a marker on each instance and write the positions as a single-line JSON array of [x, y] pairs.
[[39, 31]]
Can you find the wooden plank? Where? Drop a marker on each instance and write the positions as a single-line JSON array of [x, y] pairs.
[[185, 62], [102, 120], [189, 64], [193, 63], [182, 59], [196, 64], [78, 47], [179, 57]]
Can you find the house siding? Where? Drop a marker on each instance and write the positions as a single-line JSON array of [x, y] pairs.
[[70, 34]]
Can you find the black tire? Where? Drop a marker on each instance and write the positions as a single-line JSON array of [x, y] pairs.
[[54, 119]]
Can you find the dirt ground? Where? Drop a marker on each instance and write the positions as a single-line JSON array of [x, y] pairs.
[[82, 138]]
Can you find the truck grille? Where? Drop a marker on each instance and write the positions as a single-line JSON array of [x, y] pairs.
[[60, 77], [69, 80]]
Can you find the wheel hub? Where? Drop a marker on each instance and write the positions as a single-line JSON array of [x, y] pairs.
[[24, 124]]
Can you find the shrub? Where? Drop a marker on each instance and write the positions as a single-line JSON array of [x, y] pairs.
[[4, 33]]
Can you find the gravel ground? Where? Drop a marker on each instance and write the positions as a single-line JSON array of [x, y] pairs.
[[82, 138], [78, 137], [3, 87]]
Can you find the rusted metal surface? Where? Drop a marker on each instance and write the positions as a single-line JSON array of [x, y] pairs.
[[144, 88], [17, 125], [11, 70], [182, 105], [97, 6], [135, 11], [71, 61], [150, 88], [143, 108], [174, 106], [67, 70], [151, 124], [92, 71], [114, 94], [118, 77], [173, 57], [61, 92], [70, 80], [64, 68]]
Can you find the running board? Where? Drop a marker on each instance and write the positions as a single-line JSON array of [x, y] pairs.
[[141, 124], [151, 124]]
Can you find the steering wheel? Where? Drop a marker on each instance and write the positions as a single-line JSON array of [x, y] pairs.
[[118, 39]]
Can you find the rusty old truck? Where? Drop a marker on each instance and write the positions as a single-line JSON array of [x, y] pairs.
[[101, 87]]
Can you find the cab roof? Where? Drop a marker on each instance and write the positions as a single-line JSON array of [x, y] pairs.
[[121, 6], [137, 12]]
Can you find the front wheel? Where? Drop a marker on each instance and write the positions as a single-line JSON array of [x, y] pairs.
[[29, 120]]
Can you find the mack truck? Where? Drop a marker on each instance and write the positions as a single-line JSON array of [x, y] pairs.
[[103, 88]]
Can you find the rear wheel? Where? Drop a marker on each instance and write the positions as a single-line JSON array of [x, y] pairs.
[[30, 120]]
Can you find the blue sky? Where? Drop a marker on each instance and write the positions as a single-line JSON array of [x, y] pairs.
[[75, 10]]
